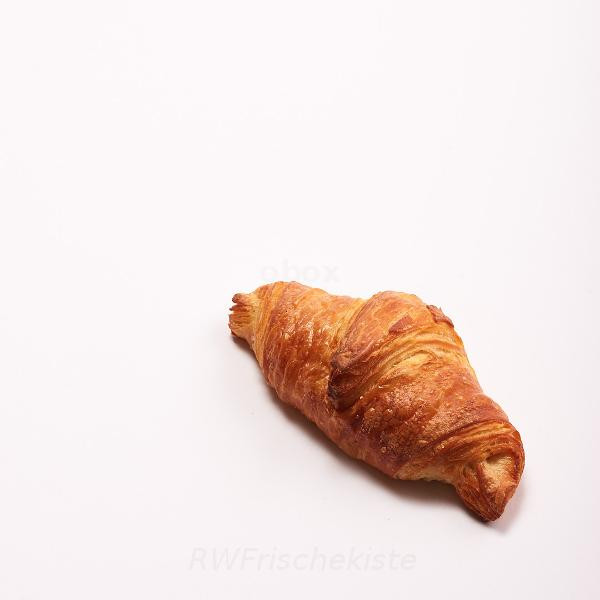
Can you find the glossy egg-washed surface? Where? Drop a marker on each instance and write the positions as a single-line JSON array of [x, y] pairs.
[[387, 379]]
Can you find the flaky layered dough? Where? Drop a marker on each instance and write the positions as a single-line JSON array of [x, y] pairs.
[[387, 379]]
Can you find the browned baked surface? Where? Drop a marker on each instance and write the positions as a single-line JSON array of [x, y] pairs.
[[388, 380]]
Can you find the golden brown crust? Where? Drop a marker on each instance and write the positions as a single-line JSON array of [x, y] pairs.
[[389, 382]]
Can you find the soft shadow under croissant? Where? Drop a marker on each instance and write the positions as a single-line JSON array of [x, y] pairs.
[[387, 379]]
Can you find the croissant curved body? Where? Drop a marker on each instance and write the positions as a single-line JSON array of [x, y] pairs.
[[388, 380]]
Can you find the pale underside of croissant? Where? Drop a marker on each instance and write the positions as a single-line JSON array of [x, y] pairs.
[[387, 380]]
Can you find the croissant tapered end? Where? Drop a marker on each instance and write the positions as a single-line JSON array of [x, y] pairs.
[[487, 486], [242, 315]]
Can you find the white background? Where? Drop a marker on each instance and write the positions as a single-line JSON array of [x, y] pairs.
[[156, 157]]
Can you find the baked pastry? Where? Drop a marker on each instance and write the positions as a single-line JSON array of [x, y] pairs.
[[387, 379]]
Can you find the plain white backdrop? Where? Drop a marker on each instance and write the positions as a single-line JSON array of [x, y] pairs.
[[157, 157]]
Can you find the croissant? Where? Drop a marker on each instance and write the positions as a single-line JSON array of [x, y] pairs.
[[387, 380]]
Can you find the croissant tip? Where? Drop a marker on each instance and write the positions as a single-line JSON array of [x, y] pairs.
[[242, 313], [488, 485]]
